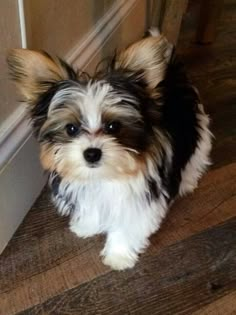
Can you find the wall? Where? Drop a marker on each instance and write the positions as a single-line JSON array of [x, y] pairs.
[[70, 22], [131, 29], [64, 23], [9, 37]]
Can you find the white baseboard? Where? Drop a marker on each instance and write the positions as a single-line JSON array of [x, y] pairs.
[[21, 176], [21, 181]]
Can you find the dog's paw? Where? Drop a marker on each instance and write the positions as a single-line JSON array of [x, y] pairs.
[[119, 261], [81, 231]]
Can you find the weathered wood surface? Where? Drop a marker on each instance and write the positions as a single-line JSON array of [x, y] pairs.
[[178, 280], [171, 19], [208, 21]]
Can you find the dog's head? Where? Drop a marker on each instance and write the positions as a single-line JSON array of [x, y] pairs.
[[95, 128]]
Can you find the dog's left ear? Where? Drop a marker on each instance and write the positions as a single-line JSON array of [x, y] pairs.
[[35, 72], [148, 56]]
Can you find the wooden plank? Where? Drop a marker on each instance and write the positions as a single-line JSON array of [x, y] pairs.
[[53, 260], [179, 280], [172, 19], [224, 152], [225, 305], [209, 15], [155, 12]]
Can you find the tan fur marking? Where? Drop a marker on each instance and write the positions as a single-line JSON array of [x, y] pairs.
[[149, 55], [47, 157], [29, 68]]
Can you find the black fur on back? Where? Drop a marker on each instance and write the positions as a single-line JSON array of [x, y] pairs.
[[178, 113]]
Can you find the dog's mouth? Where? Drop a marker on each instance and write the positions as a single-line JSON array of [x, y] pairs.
[[93, 165]]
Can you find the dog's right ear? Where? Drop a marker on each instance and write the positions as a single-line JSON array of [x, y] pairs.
[[35, 72]]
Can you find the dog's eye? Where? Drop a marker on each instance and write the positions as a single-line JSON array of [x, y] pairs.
[[72, 130], [112, 127]]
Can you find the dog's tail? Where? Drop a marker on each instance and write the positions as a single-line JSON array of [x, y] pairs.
[[153, 31]]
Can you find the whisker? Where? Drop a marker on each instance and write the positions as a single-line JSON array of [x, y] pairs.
[[131, 150]]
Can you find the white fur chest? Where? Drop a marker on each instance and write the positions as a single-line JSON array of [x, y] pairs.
[[102, 206]]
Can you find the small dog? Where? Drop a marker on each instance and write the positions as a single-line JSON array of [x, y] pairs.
[[120, 146]]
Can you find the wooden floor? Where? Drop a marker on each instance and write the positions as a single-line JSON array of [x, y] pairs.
[[190, 267]]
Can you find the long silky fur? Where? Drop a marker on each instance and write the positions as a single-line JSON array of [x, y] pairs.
[[160, 152]]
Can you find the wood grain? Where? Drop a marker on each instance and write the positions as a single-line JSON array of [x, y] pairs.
[[172, 19], [168, 283], [209, 15], [225, 305]]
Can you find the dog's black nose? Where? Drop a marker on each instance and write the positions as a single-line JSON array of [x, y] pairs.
[[92, 155]]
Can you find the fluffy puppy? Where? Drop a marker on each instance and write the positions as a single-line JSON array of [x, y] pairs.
[[119, 147]]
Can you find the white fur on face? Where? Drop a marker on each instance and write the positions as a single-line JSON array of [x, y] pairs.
[[115, 160], [91, 101], [87, 104]]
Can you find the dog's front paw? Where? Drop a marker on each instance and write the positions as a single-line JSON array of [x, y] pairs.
[[119, 261]]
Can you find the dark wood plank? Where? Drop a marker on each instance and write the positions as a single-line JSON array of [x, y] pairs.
[[172, 18], [209, 19], [223, 306], [179, 280], [224, 152]]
